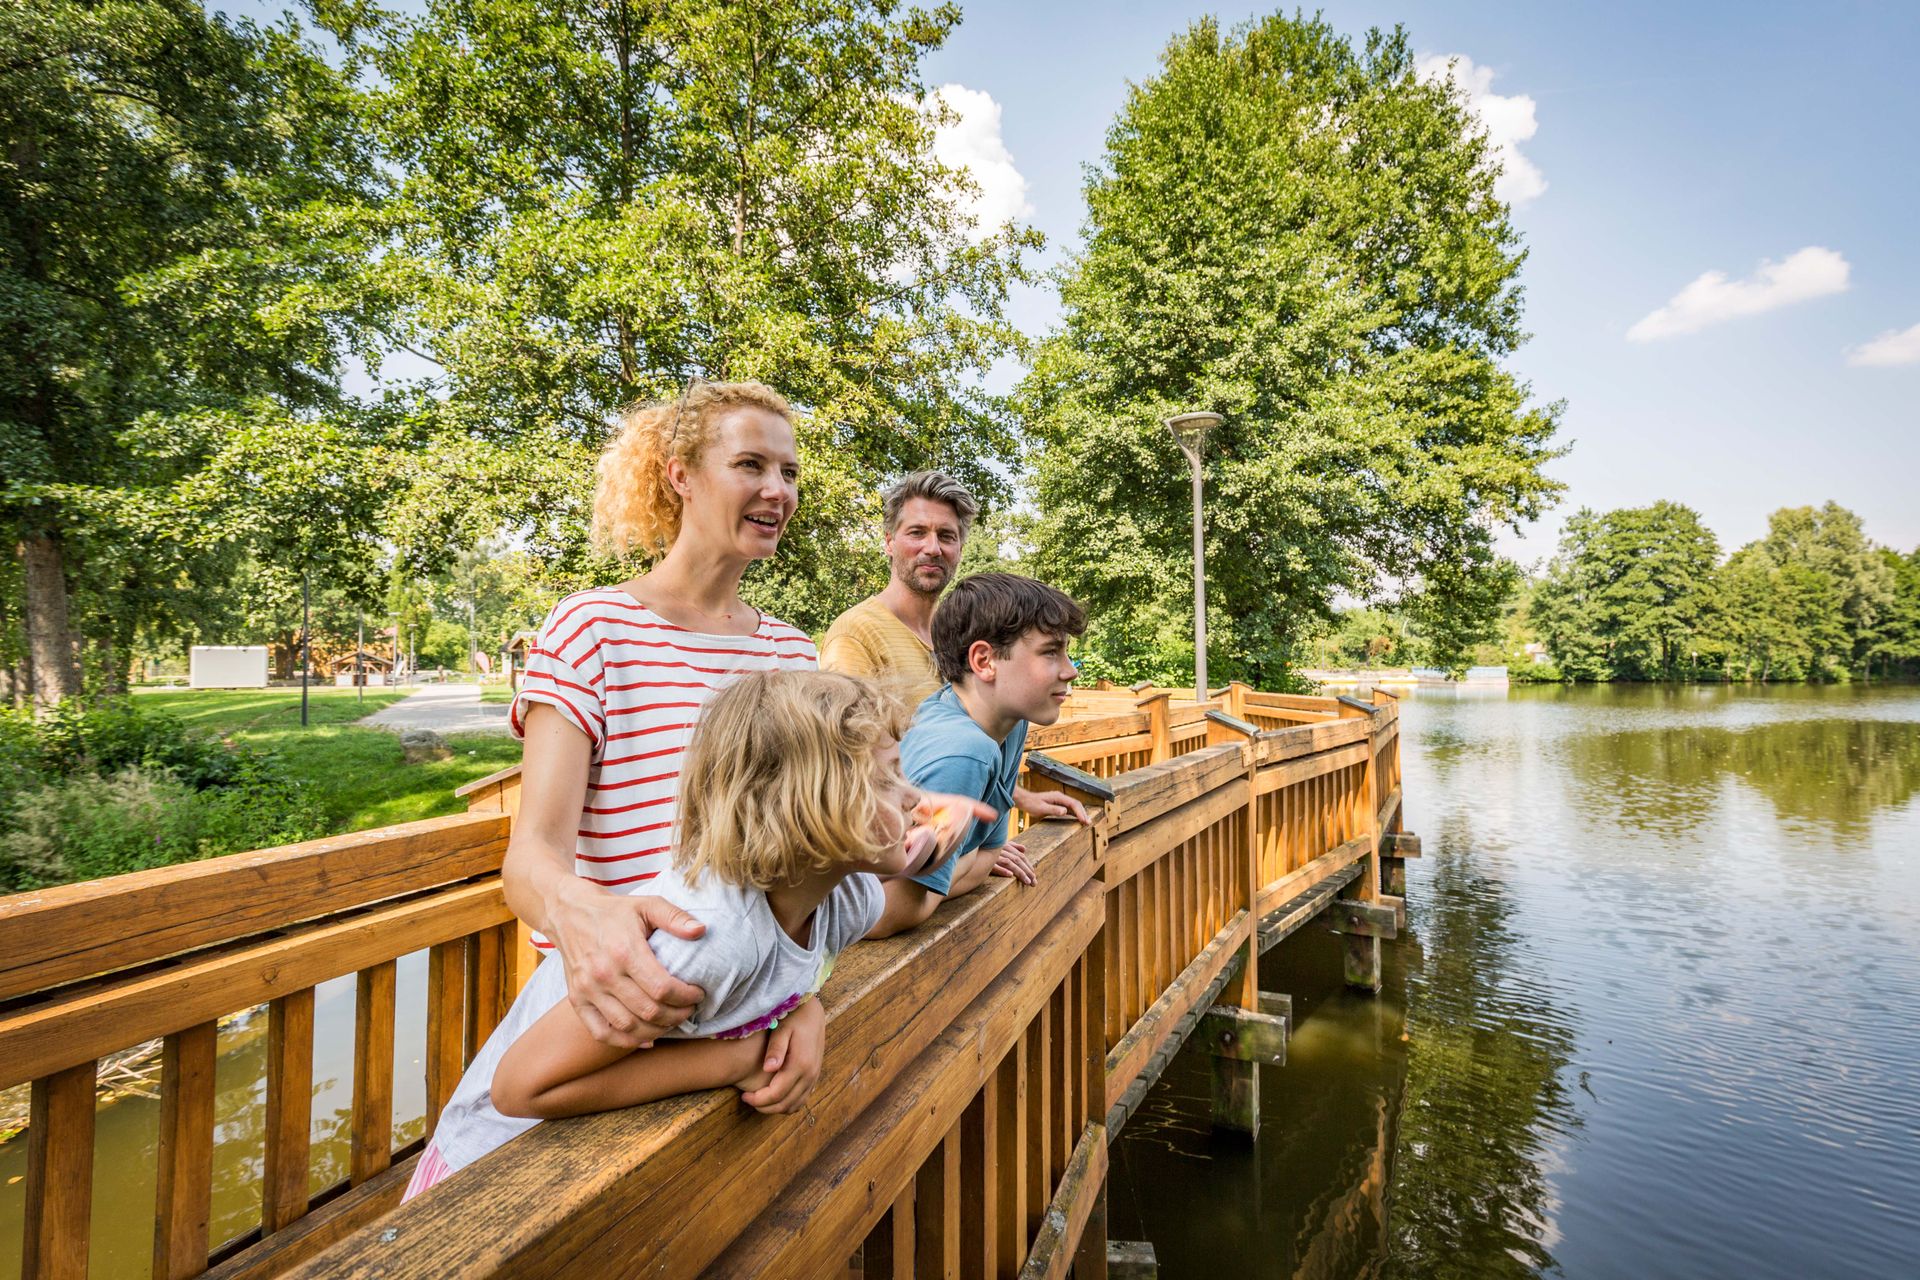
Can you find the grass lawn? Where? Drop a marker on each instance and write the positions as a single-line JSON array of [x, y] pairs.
[[496, 693], [356, 772]]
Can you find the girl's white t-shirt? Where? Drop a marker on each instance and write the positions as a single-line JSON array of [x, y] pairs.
[[752, 972], [635, 684]]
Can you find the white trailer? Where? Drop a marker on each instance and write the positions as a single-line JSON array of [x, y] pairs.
[[227, 666]]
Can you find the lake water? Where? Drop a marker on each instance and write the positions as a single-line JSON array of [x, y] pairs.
[[1658, 1013]]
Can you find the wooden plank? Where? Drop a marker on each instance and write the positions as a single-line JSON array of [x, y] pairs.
[[1060, 1122], [334, 1221], [59, 1175], [800, 1233], [1143, 845], [1289, 701], [1160, 743], [1389, 810], [1151, 1031], [446, 1024], [1290, 916], [1065, 1221], [289, 1124], [1307, 739], [1067, 733], [490, 987], [980, 1174], [1289, 773], [1400, 844], [1364, 919], [91, 1021], [55, 936], [1078, 782], [184, 1186], [1100, 749], [887, 1253], [1244, 1035], [371, 1130], [936, 1212], [605, 1193], [1039, 1188], [1145, 794], [1012, 1159]]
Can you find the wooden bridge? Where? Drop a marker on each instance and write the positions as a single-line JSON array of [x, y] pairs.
[[976, 1067]]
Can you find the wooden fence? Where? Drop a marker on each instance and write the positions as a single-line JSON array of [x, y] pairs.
[[976, 1067]]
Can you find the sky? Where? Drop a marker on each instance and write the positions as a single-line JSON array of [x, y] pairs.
[[1717, 199]]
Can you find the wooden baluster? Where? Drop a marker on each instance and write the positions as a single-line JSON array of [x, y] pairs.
[[489, 984], [372, 1133], [446, 1023], [980, 1175], [1090, 1259], [1061, 1130], [59, 1175], [1012, 1134], [1110, 996], [283, 1183], [1039, 1144], [888, 1252], [936, 1212], [184, 1186]]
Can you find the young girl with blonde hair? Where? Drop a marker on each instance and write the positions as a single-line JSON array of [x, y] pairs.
[[793, 805]]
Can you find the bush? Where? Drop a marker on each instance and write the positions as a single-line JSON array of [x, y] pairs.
[[102, 789]]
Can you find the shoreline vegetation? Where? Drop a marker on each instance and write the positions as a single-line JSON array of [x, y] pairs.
[[1643, 595]]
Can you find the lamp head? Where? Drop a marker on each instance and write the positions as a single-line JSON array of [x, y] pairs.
[[1190, 430]]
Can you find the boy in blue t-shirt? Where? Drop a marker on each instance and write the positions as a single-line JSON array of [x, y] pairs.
[[1000, 642]]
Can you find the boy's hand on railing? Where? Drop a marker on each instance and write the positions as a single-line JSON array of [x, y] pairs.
[[1041, 805], [623, 995], [794, 1051], [1011, 860]]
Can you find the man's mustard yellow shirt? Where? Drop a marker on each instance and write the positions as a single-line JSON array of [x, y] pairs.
[[867, 640]]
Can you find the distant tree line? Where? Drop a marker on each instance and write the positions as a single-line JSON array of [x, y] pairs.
[[1643, 594]]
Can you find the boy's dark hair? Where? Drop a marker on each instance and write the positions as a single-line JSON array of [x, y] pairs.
[[998, 608]]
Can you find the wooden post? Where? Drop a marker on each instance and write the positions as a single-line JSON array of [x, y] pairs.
[[1363, 948], [1155, 705], [1236, 1075]]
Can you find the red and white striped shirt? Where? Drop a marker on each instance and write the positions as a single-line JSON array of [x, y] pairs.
[[635, 683]]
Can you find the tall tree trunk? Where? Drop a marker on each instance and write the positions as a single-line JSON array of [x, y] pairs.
[[56, 676]]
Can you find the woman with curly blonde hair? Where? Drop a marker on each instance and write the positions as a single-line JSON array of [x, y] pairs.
[[702, 486]]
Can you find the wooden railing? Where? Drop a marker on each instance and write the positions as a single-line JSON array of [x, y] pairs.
[[975, 1067]]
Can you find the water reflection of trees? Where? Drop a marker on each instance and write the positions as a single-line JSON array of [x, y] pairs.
[[1839, 772], [1484, 1108]]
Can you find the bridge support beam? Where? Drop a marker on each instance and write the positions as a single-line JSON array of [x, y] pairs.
[[1240, 1040], [1364, 924], [1131, 1260]]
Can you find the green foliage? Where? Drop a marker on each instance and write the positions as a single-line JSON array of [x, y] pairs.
[[1631, 594], [1303, 236], [95, 790], [1637, 595], [157, 217]]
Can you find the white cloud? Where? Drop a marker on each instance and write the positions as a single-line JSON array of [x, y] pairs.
[[1507, 118], [1895, 346], [972, 142], [1812, 272]]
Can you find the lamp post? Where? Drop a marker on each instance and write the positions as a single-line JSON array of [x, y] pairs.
[[1190, 432]]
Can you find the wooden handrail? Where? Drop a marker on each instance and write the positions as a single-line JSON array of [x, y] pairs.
[[974, 1066]]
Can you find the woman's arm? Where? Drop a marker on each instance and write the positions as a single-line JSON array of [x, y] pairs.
[[557, 1068], [623, 995]]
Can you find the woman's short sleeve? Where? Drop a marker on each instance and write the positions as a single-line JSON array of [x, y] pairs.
[[564, 671]]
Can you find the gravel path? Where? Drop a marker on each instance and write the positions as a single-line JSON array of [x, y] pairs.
[[444, 708]]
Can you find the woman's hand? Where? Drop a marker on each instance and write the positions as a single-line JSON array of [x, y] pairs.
[[1041, 805], [792, 1065], [622, 994]]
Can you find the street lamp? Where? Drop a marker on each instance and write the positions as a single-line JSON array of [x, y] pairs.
[[1190, 432]]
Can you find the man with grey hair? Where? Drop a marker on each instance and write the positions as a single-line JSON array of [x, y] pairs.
[[924, 522]]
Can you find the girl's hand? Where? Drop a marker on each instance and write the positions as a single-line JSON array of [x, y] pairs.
[[943, 822], [791, 1066], [1011, 860]]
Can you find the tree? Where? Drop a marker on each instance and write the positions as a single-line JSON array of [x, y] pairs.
[[1829, 543], [155, 202], [1304, 237], [596, 201], [1630, 594]]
